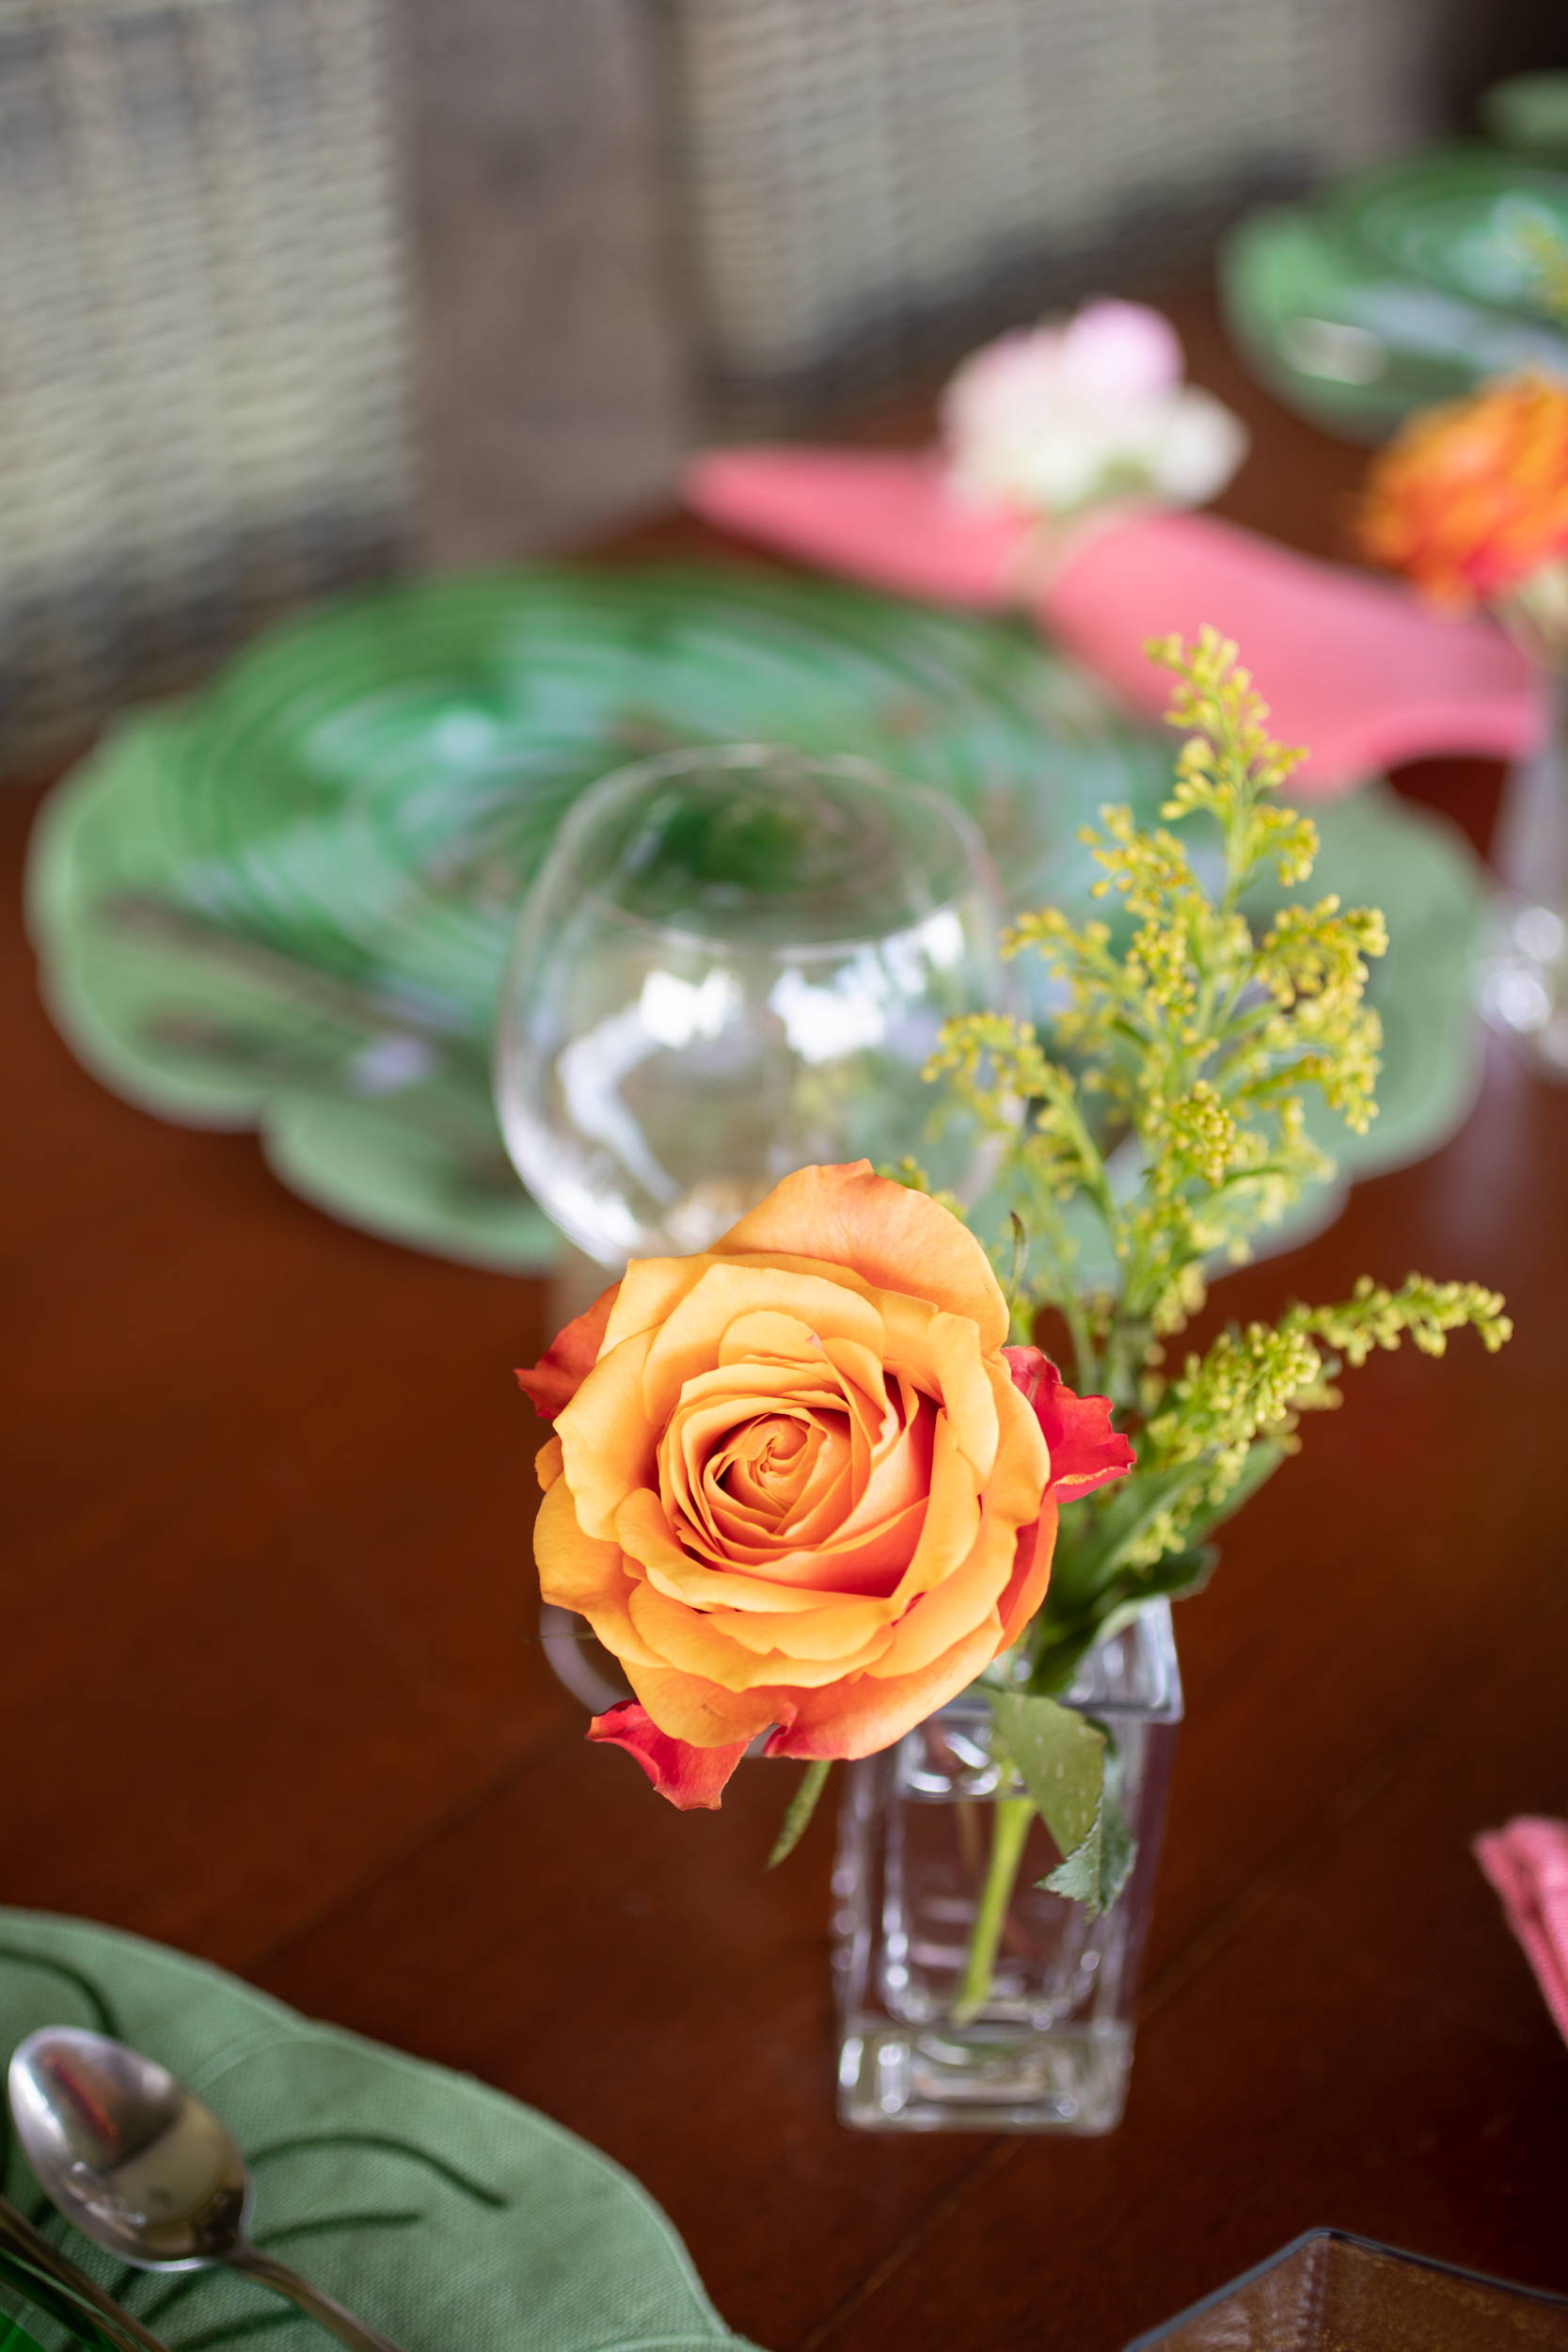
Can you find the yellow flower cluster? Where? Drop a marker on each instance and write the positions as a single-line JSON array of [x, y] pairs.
[[1195, 1045], [1197, 1040]]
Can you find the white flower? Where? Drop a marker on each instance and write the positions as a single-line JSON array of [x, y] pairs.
[[1052, 420]]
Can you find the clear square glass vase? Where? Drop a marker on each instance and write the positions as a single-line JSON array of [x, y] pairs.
[[1050, 2047]]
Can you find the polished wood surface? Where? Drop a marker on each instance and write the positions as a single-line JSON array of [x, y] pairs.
[[273, 1693]]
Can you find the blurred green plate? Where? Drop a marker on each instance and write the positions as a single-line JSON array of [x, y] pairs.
[[372, 789], [286, 903], [1408, 284]]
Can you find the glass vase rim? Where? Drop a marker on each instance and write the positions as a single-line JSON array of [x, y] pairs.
[[1156, 1634], [575, 1669]]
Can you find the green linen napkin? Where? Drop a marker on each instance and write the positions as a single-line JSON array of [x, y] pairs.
[[15, 2337], [30, 2301], [440, 2211]]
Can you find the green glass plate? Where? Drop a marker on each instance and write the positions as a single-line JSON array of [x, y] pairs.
[[447, 2215], [1462, 219], [286, 904], [1408, 284], [372, 788]]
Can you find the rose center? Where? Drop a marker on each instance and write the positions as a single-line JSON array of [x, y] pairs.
[[767, 1463]]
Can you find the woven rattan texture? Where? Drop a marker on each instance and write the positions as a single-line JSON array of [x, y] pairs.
[[869, 184], [203, 341]]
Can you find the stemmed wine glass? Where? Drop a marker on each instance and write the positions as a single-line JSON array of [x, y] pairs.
[[736, 962]]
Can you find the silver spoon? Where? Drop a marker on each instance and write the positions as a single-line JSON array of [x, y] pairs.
[[141, 2166], [19, 2239]]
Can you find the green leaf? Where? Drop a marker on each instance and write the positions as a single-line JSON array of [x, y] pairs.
[[1021, 1255], [1063, 1760], [1096, 1872], [1120, 1525], [1062, 1647], [802, 1804], [1060, 1757]]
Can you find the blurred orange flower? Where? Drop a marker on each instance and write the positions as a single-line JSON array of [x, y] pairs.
[[1471, 498]]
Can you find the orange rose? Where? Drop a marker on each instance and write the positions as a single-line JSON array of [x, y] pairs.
[[1471, 497], [799, 1484]]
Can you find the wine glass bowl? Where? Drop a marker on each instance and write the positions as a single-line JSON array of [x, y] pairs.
[[733, 963]]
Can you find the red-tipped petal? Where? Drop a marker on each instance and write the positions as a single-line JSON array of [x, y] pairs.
[[569, 1359], [692, 1778], [1085, 1450], [1031, 1576]]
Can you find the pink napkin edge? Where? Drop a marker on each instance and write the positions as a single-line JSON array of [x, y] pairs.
[[773, 493], [752, 492], [1526, 1863]]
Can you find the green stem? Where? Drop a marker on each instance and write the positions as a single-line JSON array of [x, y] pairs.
[[1126, 1344], [1070, 1305], [802, 1804], [1009, 1833], [1094, 1179]]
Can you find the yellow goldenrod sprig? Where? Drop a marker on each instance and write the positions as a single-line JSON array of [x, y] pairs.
[[1169, 1099], [1229, 761], [1191, 1041], [1257, 1382], [1542, 246], [1421, 1309]]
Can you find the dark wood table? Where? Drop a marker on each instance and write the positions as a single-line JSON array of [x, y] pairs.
[[274, 1694]]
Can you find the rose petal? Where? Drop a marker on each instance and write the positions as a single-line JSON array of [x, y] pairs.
[[691, 1778], [894, 1238], [1010, 1502], [606, 1442], [702, 1713], [951, 1526], [897, 1473], [707, 1435], [688, 1342], [1031, 1576], [758, 1475], [1085, 1450], [700, 1576], [870, 1563], [940, 1352], [703, 1582], [569, 1359], [578, 1572], [651, 1289], [863, 1716], [699, 1642], [887, 1472], [840, 1629]]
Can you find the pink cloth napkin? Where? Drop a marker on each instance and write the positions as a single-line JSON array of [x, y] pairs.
[[1353, 666], [1528, 1864]]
